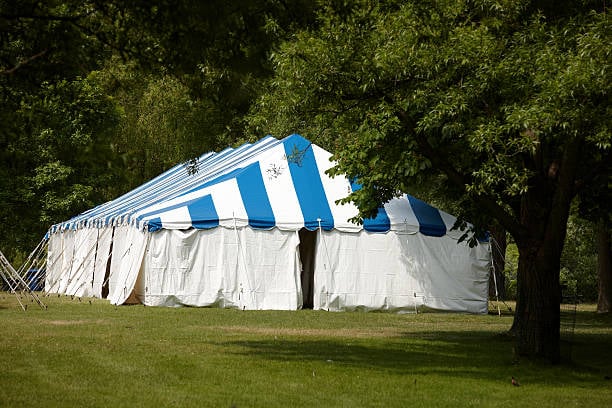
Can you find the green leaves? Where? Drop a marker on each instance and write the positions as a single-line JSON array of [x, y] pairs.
[[484, 93], [57, 151]]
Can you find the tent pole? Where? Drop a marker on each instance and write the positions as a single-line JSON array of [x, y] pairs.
[[34, 261], [244, 264], [328, 283], [7, 268], [491, 242], [8, 280]]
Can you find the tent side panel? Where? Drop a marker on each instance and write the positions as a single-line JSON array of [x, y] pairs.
[[242, 268], [54, 262], [105, 236], [397, 271], [81, 274], [362, 271], [67, 259], [129, 245], [456, 276]]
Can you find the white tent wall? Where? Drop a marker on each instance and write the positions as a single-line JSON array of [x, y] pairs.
[[105, 238], [76, 261], [243, 268], [64, 263], [82, 270], [54, 262], [129, 245], [399, 271]]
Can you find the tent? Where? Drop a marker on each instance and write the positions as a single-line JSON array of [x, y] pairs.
[[260, 227]]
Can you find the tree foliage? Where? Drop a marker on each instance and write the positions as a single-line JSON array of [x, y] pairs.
[[478, 83], [506, 103], [57, 158], [138, 84]]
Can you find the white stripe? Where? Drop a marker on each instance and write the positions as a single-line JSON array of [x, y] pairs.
[[448, 220], [335, 189], [228, 203], [401, 216], [177, 218], [280, 189], [226, 199]]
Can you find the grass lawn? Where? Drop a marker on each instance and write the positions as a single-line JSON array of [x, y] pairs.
[[92, 354]]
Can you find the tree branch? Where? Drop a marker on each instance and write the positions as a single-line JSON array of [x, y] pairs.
[[441, 162], [47, 17], [24, 62]]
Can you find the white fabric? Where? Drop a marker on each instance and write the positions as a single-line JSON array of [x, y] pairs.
[[401, 216], [61, 284], [396, 271], [105, 237], [336, 188], [54, 262], [281, 192], [82, 268], [129, 246], [225, 267]]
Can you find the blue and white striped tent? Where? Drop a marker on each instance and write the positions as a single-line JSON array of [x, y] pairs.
[[259, 227]]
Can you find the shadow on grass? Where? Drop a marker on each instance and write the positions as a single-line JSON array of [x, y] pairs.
[[468, 354], [594, 320]]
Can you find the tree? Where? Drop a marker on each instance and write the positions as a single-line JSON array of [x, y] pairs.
[[506, 101], [59, 163], [604, 266], [56, 122], [201, 64], [579, 260], [594, 206], [162, 123]]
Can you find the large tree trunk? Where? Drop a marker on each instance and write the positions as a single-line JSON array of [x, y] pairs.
[[537, 317], [544, 212], [604, 266]]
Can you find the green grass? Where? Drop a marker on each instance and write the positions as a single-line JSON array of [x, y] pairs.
[[77, 354]]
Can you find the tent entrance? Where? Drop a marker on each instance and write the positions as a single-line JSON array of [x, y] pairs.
[[308, 242]]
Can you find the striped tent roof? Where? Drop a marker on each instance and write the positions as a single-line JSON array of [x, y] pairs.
[[268, 184]]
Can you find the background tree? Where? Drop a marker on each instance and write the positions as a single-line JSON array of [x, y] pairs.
[[507, 101], [172, 79], [56, 122], [604, 266], [594, 206], [579, 259]]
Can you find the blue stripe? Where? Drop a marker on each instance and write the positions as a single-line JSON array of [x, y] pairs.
[[184, 203], [154, 224], [255, 197], [430, 221], [156, 213], [381, 222], [203, 213], [307, 183]]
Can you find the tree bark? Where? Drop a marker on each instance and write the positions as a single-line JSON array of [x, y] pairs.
[[604, 266], [537, 317], [544, 211]]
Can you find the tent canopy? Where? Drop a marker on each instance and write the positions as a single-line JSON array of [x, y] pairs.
[[271, 183]]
